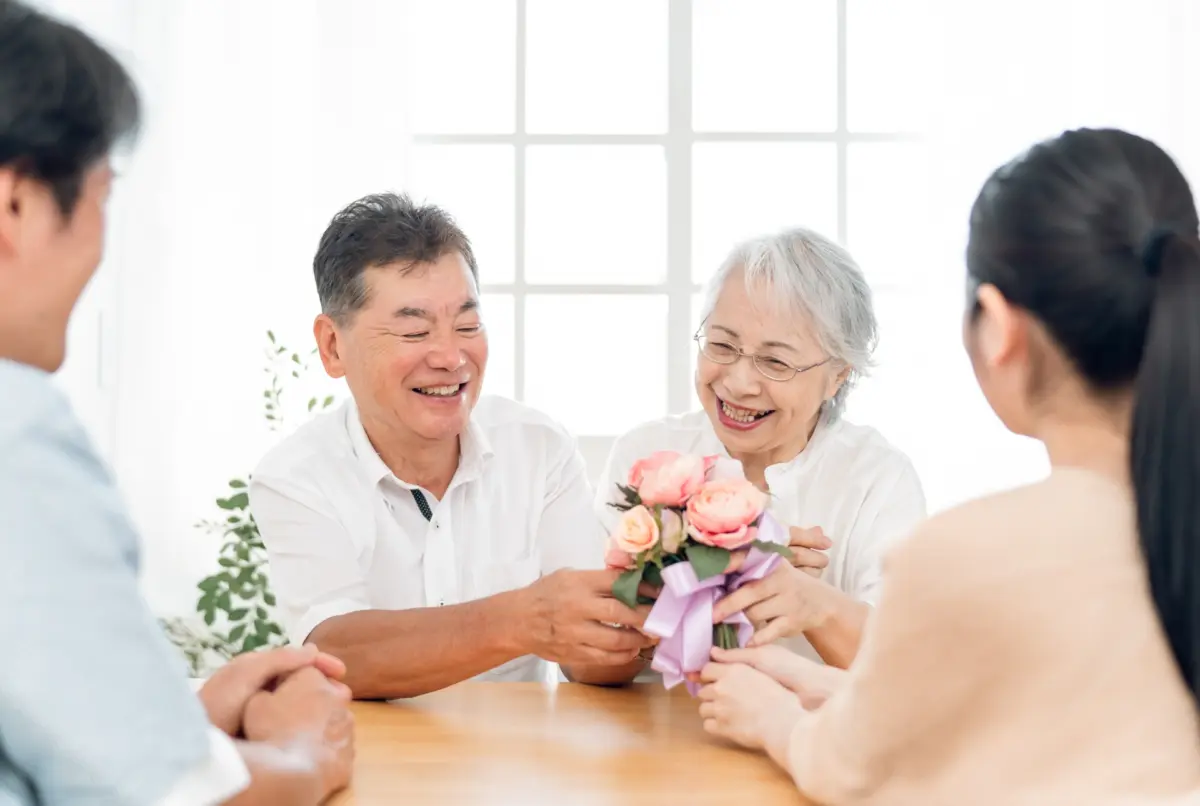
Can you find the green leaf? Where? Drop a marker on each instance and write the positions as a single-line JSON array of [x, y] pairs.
[[631, 495], [237, 484], [209, 584], [774, 548], [236, 633], [328, 402], [239, 501], [262, 613], [271, 336], [209, 617], [238, 614], [707, 561], [626, 587], [269, 598], [295, 373], [225, 602], [296, 357], [267, 394], [262, 629], [275, 629], [312, 404], [225, 562], [251, 643], [225, 503], [653, 575]]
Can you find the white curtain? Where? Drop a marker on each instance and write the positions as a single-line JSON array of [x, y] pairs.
[[264, 117]]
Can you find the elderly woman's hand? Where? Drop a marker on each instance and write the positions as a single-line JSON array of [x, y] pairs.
[[784, 603], [807, 547]]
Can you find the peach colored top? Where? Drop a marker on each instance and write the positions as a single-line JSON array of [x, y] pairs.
[[1015, 657]]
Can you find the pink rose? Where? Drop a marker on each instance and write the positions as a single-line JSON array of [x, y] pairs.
[[650, 464], [636, 531], [672, 531], [672, 483], [723, 512], [615, 558]]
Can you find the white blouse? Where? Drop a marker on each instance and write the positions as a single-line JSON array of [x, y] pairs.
[[849, 480]]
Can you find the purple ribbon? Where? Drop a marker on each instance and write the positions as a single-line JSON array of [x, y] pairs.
[[682, 617]]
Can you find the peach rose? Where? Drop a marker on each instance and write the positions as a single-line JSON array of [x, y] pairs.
[[673, 482], [672, 531], [723, 512], [636, 531]]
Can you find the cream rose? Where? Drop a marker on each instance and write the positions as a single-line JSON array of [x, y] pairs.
[[636, 531]]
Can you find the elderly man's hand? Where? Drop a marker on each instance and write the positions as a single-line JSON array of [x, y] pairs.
[[573, 618]]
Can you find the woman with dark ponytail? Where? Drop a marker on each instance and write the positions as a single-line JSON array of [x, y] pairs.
[[1041, 645]]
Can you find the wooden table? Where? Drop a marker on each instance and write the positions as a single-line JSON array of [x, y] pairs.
[[566, 744]]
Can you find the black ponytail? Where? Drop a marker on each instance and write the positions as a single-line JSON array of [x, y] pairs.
[[1094, 233], [1165, 451]]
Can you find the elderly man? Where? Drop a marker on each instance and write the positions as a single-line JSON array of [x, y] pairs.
[[420, 533], [94, 704]]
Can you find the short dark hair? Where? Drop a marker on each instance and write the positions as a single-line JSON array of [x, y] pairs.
[[1094, 233], [65, 102], [379, 230]]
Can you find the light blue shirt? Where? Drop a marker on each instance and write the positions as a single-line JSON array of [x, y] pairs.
[[95, 707]]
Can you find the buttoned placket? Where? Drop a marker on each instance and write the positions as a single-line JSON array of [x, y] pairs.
[[440, 565]]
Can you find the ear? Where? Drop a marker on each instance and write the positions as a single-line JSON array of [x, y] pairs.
[[836, 382], [1001, 329], [10, 211], [325, 330]]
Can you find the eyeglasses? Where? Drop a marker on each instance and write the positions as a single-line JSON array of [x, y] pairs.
[[775, 369]]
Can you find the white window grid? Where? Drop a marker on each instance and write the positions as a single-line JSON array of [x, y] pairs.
[[679, 285]]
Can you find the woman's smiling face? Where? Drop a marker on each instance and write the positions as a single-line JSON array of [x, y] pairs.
[[751, 412]]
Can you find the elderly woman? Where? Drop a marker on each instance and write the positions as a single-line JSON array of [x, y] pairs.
[[787, 328]]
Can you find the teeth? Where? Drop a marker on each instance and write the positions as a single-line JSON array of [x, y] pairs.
[[740, 415], [440, 391]]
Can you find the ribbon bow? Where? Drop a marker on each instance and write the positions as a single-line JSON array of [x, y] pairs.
[[682, 616]]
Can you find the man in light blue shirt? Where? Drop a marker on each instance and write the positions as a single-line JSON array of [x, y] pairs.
[[94, 704]]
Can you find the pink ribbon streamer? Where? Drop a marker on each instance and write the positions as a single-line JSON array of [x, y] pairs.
[[682, 616]]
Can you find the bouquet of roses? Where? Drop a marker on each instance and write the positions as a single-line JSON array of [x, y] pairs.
[[682, 517]]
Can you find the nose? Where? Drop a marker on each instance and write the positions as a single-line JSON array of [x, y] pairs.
[[741, 378], [446, 354]]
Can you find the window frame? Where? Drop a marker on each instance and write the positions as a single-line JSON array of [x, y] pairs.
[[677, 143]]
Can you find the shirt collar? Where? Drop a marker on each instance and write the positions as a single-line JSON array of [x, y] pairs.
[[713, 445], [475, 449]]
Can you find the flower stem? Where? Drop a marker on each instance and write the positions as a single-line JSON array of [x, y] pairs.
[[725, 636]]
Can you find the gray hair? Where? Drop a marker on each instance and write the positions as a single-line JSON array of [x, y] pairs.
[[802, 273]]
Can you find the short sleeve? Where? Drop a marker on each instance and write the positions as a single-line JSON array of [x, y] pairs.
[[96, 706], [892, 510], [568, 532], [315, 568]]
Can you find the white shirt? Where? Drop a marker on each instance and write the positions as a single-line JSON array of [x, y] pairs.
[[848, 480], [344, 534]]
